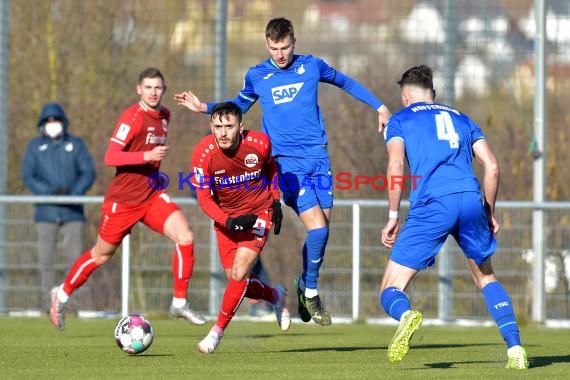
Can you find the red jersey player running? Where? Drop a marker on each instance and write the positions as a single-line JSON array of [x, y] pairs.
[[236, 185], [136, 149]]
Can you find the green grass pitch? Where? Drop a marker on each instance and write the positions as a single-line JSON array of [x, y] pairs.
[[31, 348]]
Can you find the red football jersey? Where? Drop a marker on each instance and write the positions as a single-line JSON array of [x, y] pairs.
[[138, 129], [237, 183]]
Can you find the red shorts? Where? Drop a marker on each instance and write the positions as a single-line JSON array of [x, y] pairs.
[[118, 219], [254, 239]]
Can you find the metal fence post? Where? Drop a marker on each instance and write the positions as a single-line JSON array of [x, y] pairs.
[[355, 260], [125, 274], [538, 295], [217, 275], [4, 18], [445, 283]]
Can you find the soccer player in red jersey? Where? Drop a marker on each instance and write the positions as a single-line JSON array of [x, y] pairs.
[[137, 147], [235, 178]]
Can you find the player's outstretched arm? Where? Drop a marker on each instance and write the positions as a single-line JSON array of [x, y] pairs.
[[355, 89], [396, 156], [189, 100], [116, 156]]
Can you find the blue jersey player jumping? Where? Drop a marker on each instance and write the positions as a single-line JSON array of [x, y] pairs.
[[439, 143], [286, 86]]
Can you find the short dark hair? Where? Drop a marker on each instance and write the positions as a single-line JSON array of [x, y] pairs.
[[150, 72], [421, 76], [279, 28], [226, 109]]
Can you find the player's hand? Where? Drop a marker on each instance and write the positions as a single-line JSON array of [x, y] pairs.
[[389, 233], [189, 100], [493, 222], [157, 153], [241, 223], [277, 217], [383, 116]]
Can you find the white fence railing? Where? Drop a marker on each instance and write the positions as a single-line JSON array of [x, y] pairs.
[[349, 281]]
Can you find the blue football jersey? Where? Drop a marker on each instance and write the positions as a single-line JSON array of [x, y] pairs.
[[289, 101], [438, 141]]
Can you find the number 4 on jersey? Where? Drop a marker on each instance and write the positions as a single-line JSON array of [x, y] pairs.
[[446, 130]]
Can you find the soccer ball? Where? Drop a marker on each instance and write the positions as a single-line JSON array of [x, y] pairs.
[[134, 334]]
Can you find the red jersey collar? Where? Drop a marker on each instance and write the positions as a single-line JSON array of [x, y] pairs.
[[152, 111]]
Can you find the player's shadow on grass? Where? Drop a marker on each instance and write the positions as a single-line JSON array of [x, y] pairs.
[[358, 348], [543, 361], [150, 355], [432, 346], [288, 334], [338, 349], [444, 365], [447, 365], [533, 362]]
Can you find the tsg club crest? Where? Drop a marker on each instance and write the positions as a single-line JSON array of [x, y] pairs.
[[251, 160]]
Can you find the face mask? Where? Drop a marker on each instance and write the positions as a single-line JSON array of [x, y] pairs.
[[53, 129]]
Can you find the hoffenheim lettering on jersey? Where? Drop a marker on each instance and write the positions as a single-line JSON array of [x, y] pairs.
[[438, 141], [285, 94], [435, 106]]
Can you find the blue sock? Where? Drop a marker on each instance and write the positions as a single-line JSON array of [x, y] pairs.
[[313, 254], [395, 302], [501, 309]]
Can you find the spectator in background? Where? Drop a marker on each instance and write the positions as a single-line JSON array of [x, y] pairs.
[[57, 163]]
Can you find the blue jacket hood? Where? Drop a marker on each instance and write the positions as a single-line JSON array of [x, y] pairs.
[[56, 111]]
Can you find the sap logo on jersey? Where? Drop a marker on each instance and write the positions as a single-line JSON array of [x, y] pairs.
[[285, 94]]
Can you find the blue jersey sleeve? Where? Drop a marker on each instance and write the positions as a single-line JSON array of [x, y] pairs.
[[393, 131], [331, 75], [244, 100], [476, 132]]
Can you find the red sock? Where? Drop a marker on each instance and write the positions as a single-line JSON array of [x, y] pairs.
[[79, 272], [258, 290], [182, 267], [234, 294]]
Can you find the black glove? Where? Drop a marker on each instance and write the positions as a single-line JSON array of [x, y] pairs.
[[241, 223], [61, 191], [277, 217]]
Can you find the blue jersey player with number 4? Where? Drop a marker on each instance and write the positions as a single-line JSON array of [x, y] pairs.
[[439, 143], [286, 86]]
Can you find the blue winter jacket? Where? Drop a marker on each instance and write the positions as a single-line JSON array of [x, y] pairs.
[[57, 166]]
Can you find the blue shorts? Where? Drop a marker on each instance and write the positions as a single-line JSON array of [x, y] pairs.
[[428, 225], [305, 182]]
